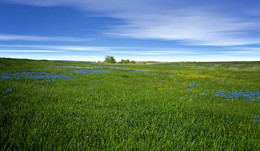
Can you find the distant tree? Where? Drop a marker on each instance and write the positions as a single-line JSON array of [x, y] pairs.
[[110, 59], [126, 61], [122, 61], [132, 62]]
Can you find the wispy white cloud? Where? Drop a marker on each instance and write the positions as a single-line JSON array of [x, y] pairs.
[[142, 51], [257, 49], [152, 52], [242, 50], [198, 29], [135, 52], [191, 22], [110, 50], [62, 47], [26, 51], [11, 37]]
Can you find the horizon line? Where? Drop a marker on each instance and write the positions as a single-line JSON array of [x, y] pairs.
[[67, 60]]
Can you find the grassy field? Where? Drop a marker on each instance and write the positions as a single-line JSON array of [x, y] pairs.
[[54, 105]]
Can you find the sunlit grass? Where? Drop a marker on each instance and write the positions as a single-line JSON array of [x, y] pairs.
[[192, 106]]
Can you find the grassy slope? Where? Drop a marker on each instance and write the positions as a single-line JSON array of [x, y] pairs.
[[130, 110]]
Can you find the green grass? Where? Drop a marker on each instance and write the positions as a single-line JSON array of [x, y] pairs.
[[129, 110]]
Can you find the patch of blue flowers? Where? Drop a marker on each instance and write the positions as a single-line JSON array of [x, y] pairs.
[[246, 95], [118, 68], [194, 84], [139, 70], [50, 76], [190, 90], [123, 68], [90, 88], [96, 67], [89, 71]]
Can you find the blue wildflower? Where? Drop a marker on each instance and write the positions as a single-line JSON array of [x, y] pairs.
[[138, 70], [189, 90], [90, 88], [194, 84], [118, 68], [247, 95], [89, 71], [35, 75]]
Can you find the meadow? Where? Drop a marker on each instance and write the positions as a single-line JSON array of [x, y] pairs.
[[55, 105]]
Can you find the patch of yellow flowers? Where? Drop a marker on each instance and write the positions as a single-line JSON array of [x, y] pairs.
[[194, 75], [207, 75]]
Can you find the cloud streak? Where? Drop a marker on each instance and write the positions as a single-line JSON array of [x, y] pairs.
[[12, 37], [200, 23], [26, 51], [142, 51], [102, 49]]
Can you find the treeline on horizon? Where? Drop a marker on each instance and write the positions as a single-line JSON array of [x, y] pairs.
[[112, 60]]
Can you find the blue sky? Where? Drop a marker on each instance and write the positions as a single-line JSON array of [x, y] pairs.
[[158, 30]]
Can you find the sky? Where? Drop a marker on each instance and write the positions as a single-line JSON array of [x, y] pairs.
[[141, 30]]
